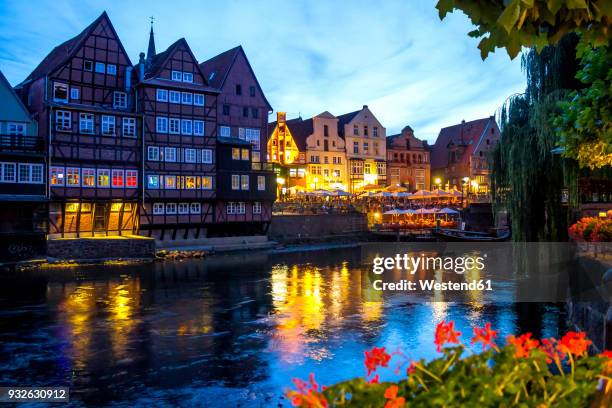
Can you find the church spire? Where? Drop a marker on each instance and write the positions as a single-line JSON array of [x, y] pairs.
[[151, 48]]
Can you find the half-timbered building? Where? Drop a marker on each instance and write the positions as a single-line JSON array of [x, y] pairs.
[[83, 97], [179, 110]]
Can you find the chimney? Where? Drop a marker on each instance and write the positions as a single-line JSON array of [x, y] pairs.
[[365, 106], [141, 66]]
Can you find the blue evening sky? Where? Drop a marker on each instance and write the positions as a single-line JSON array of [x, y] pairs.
[[309, 56]]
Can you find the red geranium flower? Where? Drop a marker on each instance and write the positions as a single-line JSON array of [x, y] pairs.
[[307, 394], [575, 343], [484, 336], [549, 346], [607, 353], [375, 358], [524, 343], [445, 333], [374, 380], [394, 400]]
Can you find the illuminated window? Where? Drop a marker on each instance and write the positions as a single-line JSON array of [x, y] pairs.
[[103, 178], [152, 181], [117, 178], [190, 182], [170, 182], [207, 182], [235, 153], [89, 178], [131, 178], [261, 183], [116, 207], [72, 207], [72, 176], [245, 154]]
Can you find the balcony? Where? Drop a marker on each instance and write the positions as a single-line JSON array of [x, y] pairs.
[[21, 144]]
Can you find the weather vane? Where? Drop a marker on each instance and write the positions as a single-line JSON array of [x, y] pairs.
[[152, 20]]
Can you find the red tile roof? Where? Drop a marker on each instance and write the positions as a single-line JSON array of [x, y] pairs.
[[465, 133]]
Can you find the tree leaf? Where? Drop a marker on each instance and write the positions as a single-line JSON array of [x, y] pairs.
[[576, 4], [444, 7], [510, 16]]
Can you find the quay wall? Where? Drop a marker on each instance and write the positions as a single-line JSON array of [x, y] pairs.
[[306, 228], [101, 248]]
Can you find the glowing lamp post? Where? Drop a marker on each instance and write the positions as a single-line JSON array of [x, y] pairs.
[[280, 182]]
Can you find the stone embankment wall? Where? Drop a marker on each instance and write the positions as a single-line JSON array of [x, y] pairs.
[[101, 248], [307, 228], [591, 308]]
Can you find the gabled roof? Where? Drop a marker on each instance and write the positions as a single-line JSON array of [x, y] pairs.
[[158, 62], [217, 69], [300, 130], [326, 115], [345, 119], [60, 55], [463, 134], [5, 82]]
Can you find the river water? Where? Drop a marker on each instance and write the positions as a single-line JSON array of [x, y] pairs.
[[225, 331]]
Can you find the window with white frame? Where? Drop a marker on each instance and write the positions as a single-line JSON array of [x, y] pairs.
[[256, 207], [175, 97], [8, 172], [186, 127], [131, 178], [60, 92], [170, 154], [187, 77], [235, 182], [244, 182], [241, 208], [195, 208], [63, 120], [86, 123], [241, 133], [183, 208], [108, 125], [118, 181], [170, 208], [175, 126], [36, 173], [162, 95], [187, 98], [252, 136], [255, 156], [119, 99], [129, 127], [152, 153], [74, 94], [225, 131], [261, 183], [190, 155], [152, 181], [24, 173], [198, 128], [207, 156], [100, 67], [231, 208], [158, 208], [89, 178], [103, 178], [198, 99], [177, 76], [56, 176], [111, 69], [161, 124], [73, 176]]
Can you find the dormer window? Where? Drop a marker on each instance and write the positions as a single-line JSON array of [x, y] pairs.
[[177, 76], [187, 77], [60, 92]]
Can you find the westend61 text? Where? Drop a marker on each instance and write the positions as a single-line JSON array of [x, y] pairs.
[[411, 264], [432, 285]]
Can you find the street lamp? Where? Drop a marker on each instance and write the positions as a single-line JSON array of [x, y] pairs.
[[438, 182]]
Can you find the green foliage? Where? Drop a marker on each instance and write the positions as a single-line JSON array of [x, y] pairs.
[[513, 24], [584, 124], [489, 379]]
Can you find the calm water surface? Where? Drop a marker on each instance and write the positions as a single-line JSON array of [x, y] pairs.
[[226, 331]]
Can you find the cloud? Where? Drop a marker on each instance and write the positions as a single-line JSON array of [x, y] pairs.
[[309, 56]]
